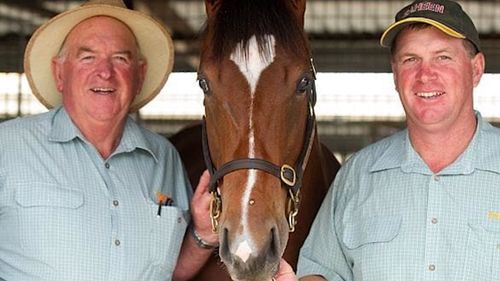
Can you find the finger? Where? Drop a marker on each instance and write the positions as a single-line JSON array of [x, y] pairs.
[[200, 203], [285, 272], [202, 187], [200, 206]]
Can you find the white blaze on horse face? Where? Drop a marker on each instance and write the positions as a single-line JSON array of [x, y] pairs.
[[251, 64], [244, 251]]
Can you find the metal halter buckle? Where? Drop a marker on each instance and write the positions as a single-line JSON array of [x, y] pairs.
[[288, 169]]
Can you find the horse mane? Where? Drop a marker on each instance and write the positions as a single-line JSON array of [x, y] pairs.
[[236, 21]]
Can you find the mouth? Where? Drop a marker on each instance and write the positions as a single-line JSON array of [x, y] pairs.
[[103, 90], [429, 95]]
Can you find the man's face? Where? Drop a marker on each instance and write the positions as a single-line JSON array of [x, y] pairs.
[[99, 72], [434, 76]]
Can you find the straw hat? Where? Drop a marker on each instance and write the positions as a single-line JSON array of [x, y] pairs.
[[154, 41]]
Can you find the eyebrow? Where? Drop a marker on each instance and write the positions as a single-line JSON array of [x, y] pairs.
[[435, 52], [85, 49]]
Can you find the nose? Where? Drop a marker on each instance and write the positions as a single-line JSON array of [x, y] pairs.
[[426, 72], [246, 260], [104, 69]]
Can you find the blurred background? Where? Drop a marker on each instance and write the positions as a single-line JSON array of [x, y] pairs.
[[357, 104]]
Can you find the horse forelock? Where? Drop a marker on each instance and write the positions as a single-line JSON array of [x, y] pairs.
[[237, 21]]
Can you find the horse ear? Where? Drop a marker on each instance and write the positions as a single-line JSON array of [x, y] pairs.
[[300, 8], [211, 7]]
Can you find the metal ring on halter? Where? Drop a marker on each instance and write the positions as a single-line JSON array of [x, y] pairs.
[[293, 209], [215, 208]]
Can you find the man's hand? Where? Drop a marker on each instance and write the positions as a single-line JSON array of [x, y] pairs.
[[200, 210], [196, 247], [285, 272]]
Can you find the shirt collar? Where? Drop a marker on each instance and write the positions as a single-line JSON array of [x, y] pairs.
[[64, 130], [400, 153], [134, 138], [486, 152]]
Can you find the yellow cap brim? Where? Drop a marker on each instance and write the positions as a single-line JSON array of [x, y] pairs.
[[390, 33]]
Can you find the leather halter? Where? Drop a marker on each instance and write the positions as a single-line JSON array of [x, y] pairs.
[[289, 175]]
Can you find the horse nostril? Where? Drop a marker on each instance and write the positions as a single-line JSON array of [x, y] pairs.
[[224, 245], [274, 244]]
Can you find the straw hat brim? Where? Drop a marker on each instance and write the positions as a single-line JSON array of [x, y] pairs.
[[154, 41]]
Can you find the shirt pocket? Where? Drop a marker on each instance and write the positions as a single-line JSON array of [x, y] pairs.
[[367, 231], [48, 195], [167, 234], [483, 251], [368, 243], [48, 214]]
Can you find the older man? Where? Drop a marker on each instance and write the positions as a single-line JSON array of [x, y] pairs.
[[86, 193]]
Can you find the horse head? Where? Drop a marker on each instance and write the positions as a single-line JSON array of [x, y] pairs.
[[258, 82]]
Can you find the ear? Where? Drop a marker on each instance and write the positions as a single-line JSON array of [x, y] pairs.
[[394, 74], [143, 68], [57, 73], [300, 7], [478, 65], [211, 7]]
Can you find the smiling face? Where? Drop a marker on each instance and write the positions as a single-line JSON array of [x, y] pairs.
[[435, 75], [99, 71]]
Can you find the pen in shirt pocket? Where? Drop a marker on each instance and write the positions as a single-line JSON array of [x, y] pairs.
[[163, 200]]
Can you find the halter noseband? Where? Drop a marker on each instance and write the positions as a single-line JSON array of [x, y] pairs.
[[290, 176]]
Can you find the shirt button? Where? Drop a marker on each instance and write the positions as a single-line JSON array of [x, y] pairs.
[[117, 242], [432, 267], [436, 178], [116, 203], [106, 165], [179, 220], [434, 220]]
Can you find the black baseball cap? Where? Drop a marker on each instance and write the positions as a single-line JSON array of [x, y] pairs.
[[447, 16]]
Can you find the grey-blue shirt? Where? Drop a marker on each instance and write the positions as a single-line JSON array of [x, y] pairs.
[[388, 217], [68, 214]]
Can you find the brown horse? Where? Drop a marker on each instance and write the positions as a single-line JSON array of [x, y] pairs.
[[261, 145]]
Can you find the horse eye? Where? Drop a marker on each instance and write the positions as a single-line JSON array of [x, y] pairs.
[[203, 83], [304, 85]]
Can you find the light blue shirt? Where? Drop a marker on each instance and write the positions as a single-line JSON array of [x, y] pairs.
[[67, 214], [389, 218]]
